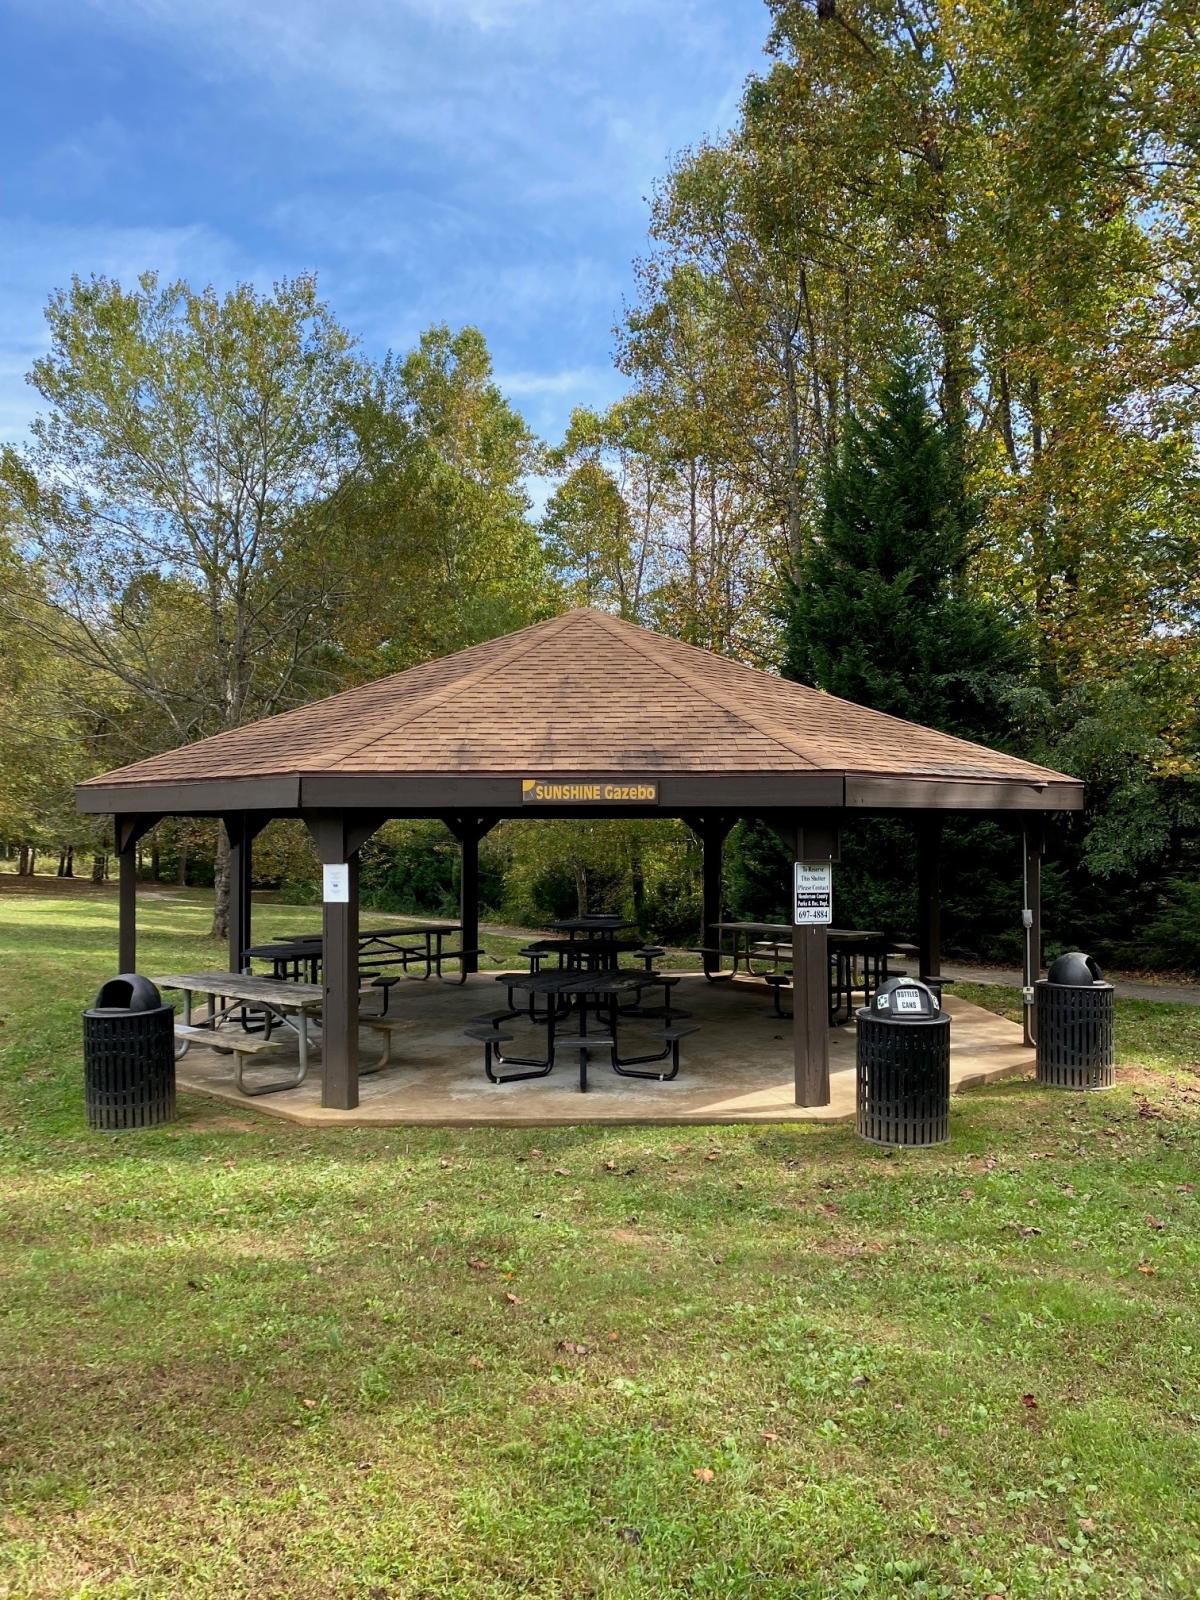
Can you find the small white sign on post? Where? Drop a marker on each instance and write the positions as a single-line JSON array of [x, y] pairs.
[[337, 883], [813, 901]]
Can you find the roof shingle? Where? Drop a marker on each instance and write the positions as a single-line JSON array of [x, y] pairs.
[[583, 692]]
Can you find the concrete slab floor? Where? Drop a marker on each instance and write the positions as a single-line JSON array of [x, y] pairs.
[[736, 1068]]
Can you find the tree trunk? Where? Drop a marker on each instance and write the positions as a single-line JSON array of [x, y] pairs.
[[220, 921], [637, 875], [155, 859], [99, 867], [581, 890], [32, 861], [69, 868], [183, 859], [62, 864], [23, 867]]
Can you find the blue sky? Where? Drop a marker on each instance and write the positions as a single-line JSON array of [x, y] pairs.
[[482, 161]]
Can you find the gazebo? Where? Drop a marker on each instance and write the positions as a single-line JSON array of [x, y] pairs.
[[583, 715]]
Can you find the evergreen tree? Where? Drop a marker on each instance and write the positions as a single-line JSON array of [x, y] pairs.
[[882, 611]]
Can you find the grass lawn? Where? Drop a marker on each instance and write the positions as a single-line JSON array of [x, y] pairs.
[[245, 1359]]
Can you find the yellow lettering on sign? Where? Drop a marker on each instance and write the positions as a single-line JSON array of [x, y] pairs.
[[546, 791]]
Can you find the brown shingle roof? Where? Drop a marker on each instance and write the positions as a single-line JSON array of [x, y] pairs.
[[583, 692]]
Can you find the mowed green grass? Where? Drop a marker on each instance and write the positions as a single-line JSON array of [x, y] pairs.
[[244, 1359]]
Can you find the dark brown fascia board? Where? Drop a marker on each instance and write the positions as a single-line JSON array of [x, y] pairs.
[[948, 794], [204, 797], [416, 796], [502, 792]]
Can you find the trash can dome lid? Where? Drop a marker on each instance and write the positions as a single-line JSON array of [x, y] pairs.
[[129, 991], [1076, 969], [903, 999]]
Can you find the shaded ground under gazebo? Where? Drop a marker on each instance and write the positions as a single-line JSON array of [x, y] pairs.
[[581, 716]]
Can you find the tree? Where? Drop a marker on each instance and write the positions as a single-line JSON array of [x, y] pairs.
[[447, 554], [884, 612], [180, 495]]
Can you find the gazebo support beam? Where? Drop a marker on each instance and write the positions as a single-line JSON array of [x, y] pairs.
[[929, 895], [338, 837], [712, 831], [127, 830], [818, 844], [469, 831], [1033, 841], [241, 827]]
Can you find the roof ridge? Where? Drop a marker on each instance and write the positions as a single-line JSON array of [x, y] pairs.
[[729, 705], [521, 644]]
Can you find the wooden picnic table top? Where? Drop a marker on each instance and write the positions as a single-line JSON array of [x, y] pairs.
[[608, 980], [237, 986], [420, 928], [785, 928], [285, 949], [603, 925]]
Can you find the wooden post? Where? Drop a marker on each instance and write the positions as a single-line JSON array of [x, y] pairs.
[[339, 1013], [127, 830], [1033, 846], [817, 845], [127, 910], [339, 837], [929, 896], [712, 832], [240, 847], [468, 899], [469, 831]]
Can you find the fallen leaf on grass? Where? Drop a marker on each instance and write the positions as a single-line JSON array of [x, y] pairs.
[[704, 1474], [561, 1172], [309, 1405], [571, 1349], [1029, 1402], [474, 1361], [771, 1438], [613, 1337], [1145, 1266], [513, 1299], [630, 1535], [1156, 1223], [476, 1265]]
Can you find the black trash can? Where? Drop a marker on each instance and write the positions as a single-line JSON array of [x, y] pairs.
[[903, 1066], [1073, 1025], [129, 1056]]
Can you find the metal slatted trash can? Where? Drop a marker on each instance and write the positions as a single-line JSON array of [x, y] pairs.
[[129, 1056], [903, 1066], [1073, 1025]]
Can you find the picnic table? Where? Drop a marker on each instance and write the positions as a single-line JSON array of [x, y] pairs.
[[857, 959], [599, 993], [600, 926], [413, 945], [293, 1006], [587, 953]]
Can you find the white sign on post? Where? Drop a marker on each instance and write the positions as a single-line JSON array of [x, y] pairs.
[[814, 894], [337, 883]]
